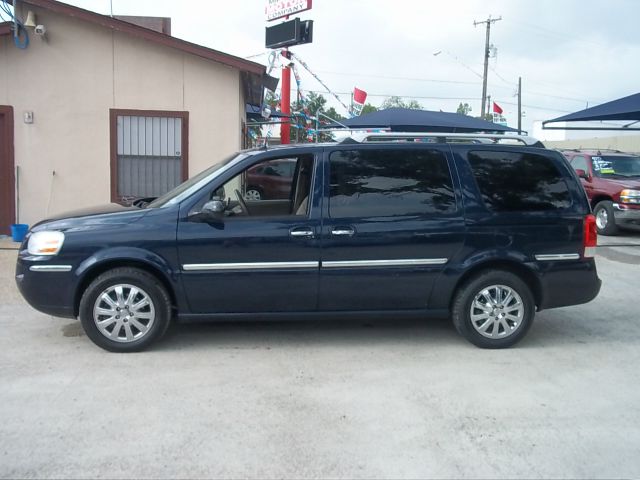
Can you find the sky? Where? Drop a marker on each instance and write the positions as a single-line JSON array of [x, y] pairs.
[[570, 53]]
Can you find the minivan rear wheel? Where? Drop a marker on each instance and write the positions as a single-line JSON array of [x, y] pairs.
[[125, 310], [494, 309]]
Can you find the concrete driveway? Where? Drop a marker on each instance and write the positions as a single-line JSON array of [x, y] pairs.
[[329, 399]]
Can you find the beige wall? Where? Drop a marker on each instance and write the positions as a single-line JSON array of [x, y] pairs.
[[71, 80], [625, 144]]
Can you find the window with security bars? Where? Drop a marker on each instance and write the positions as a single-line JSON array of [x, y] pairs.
[[149, 154]]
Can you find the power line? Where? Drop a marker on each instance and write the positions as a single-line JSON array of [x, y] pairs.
[[384, 95], [388, 77], [459, 61], [511, 85], [558, 34], [535, 107]]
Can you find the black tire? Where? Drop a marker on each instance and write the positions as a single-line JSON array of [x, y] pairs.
[[465, 296], [610, 227], [156, 294]]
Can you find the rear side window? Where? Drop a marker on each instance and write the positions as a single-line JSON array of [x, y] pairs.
[[371, 183], [512, 181]]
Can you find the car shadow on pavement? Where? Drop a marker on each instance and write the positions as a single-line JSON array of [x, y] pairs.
[[267, 334], [552, 328]]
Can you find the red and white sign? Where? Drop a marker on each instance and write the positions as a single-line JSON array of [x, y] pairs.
[[283, 8], [359, 96]]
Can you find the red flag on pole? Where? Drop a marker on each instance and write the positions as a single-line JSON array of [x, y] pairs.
[[496, 108], [359, 96]]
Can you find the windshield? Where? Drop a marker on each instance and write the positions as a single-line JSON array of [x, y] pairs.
[[185, 189], [616, 165]]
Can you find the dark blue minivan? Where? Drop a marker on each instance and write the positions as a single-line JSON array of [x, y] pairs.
[[475, 227]]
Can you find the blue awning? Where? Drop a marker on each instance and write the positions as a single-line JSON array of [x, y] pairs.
[[626, 108], [409, 120]]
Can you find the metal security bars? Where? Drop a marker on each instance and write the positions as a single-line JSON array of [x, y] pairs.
[[149, 157]]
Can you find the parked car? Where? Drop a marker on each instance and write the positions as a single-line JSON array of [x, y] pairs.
[[484, 232], [612, 181], [270, 180]]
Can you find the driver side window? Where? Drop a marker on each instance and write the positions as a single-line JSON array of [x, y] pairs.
[[274, 187]]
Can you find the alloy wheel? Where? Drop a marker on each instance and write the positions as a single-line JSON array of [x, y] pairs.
[[252, 195], [124, 313], [497, 311]]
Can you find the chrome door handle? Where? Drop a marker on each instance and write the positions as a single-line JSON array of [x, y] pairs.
[[343, 231], [302, 232]]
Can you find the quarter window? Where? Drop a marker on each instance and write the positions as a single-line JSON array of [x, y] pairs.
[[368, 183], [511, 181]]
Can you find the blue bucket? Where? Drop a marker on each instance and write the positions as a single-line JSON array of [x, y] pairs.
[[18, 231]]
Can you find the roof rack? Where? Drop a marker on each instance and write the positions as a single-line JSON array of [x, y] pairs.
[[598, 150], [444, 137]]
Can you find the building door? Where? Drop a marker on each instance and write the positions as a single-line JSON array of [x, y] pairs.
[[7, 175]]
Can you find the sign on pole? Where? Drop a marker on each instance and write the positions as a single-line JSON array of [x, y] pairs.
[[288, 34], [283, 8]]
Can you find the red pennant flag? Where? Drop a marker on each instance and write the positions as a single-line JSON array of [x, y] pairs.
[[496, 108], [359, 96]]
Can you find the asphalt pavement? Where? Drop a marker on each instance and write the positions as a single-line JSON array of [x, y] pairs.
[[393, 399]]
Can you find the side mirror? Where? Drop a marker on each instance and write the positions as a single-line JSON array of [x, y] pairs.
[[213, 210], [582, 174]]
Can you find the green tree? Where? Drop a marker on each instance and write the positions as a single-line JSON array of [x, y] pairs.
[[368, 108], [399, 102], [312, 104], [332, 113], [464, 108]]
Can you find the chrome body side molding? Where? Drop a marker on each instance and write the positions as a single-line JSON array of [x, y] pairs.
[[557, 256], [50, 268]]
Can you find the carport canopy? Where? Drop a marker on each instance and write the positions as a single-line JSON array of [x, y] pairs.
[[410, 120], [622, 109]]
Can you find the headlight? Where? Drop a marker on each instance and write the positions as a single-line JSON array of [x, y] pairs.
[[630, 196], [45, 243]]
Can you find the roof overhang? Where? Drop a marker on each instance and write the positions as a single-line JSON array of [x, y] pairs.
[[146, 34], [625, 109]]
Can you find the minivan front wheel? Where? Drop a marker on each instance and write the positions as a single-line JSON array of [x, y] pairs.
[[125, 310], [494, 309]]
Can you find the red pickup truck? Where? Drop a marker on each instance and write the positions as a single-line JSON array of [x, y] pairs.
[[612, 181]]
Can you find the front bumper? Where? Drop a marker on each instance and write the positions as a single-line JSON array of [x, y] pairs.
[[626, 214], [48, 286]]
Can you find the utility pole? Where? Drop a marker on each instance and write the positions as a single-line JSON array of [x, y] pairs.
[[519, 105], [489, 111], [285, 100], [488, 21]]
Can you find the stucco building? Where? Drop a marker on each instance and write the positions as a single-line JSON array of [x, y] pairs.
[[100, 109]]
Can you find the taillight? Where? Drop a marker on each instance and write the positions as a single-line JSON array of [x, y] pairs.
[[590, 236]]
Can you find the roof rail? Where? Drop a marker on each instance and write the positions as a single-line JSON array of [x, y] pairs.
[[593, 149], [444, 137]]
